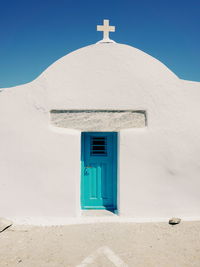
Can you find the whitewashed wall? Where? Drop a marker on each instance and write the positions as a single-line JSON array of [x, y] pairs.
[[159, 166]]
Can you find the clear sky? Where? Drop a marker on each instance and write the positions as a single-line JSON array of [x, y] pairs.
[[35, 33]]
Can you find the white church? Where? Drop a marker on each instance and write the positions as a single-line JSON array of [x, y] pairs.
[[106, 127]]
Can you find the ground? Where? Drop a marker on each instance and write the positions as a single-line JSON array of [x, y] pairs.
[[102, 244]]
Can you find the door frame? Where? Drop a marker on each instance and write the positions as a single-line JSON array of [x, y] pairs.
[[114, 172]]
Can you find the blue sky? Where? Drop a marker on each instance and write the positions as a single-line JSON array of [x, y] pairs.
[[34, 34]]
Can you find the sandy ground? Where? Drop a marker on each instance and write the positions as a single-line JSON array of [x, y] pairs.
[[102, 244]]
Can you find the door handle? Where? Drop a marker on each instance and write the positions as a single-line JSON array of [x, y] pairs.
[[86, 171]]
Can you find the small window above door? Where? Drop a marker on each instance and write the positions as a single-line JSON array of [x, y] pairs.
[[98, 146]]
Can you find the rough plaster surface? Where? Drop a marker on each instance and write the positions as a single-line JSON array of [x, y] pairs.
[[96, 120], [158, 166]]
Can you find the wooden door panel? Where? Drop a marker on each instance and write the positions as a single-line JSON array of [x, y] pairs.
[[98, 181]]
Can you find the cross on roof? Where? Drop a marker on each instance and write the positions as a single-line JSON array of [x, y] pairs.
[[106, 28]]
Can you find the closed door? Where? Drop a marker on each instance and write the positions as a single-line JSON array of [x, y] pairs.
[[99, 170]]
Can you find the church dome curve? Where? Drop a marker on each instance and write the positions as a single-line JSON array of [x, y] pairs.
[[104, 73], [112, 58]]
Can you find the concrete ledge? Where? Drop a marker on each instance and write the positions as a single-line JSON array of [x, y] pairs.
[[50, 221], [98, 120], [97, 213]]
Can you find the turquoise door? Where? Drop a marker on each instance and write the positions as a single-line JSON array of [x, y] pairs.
[[99, 170]]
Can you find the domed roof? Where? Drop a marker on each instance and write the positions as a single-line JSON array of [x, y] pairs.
[[104, 74], [111, 58]]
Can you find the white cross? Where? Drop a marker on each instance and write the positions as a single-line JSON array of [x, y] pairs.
[[105, 28]]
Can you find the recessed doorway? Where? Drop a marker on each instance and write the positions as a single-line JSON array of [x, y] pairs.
[[99, 170]]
